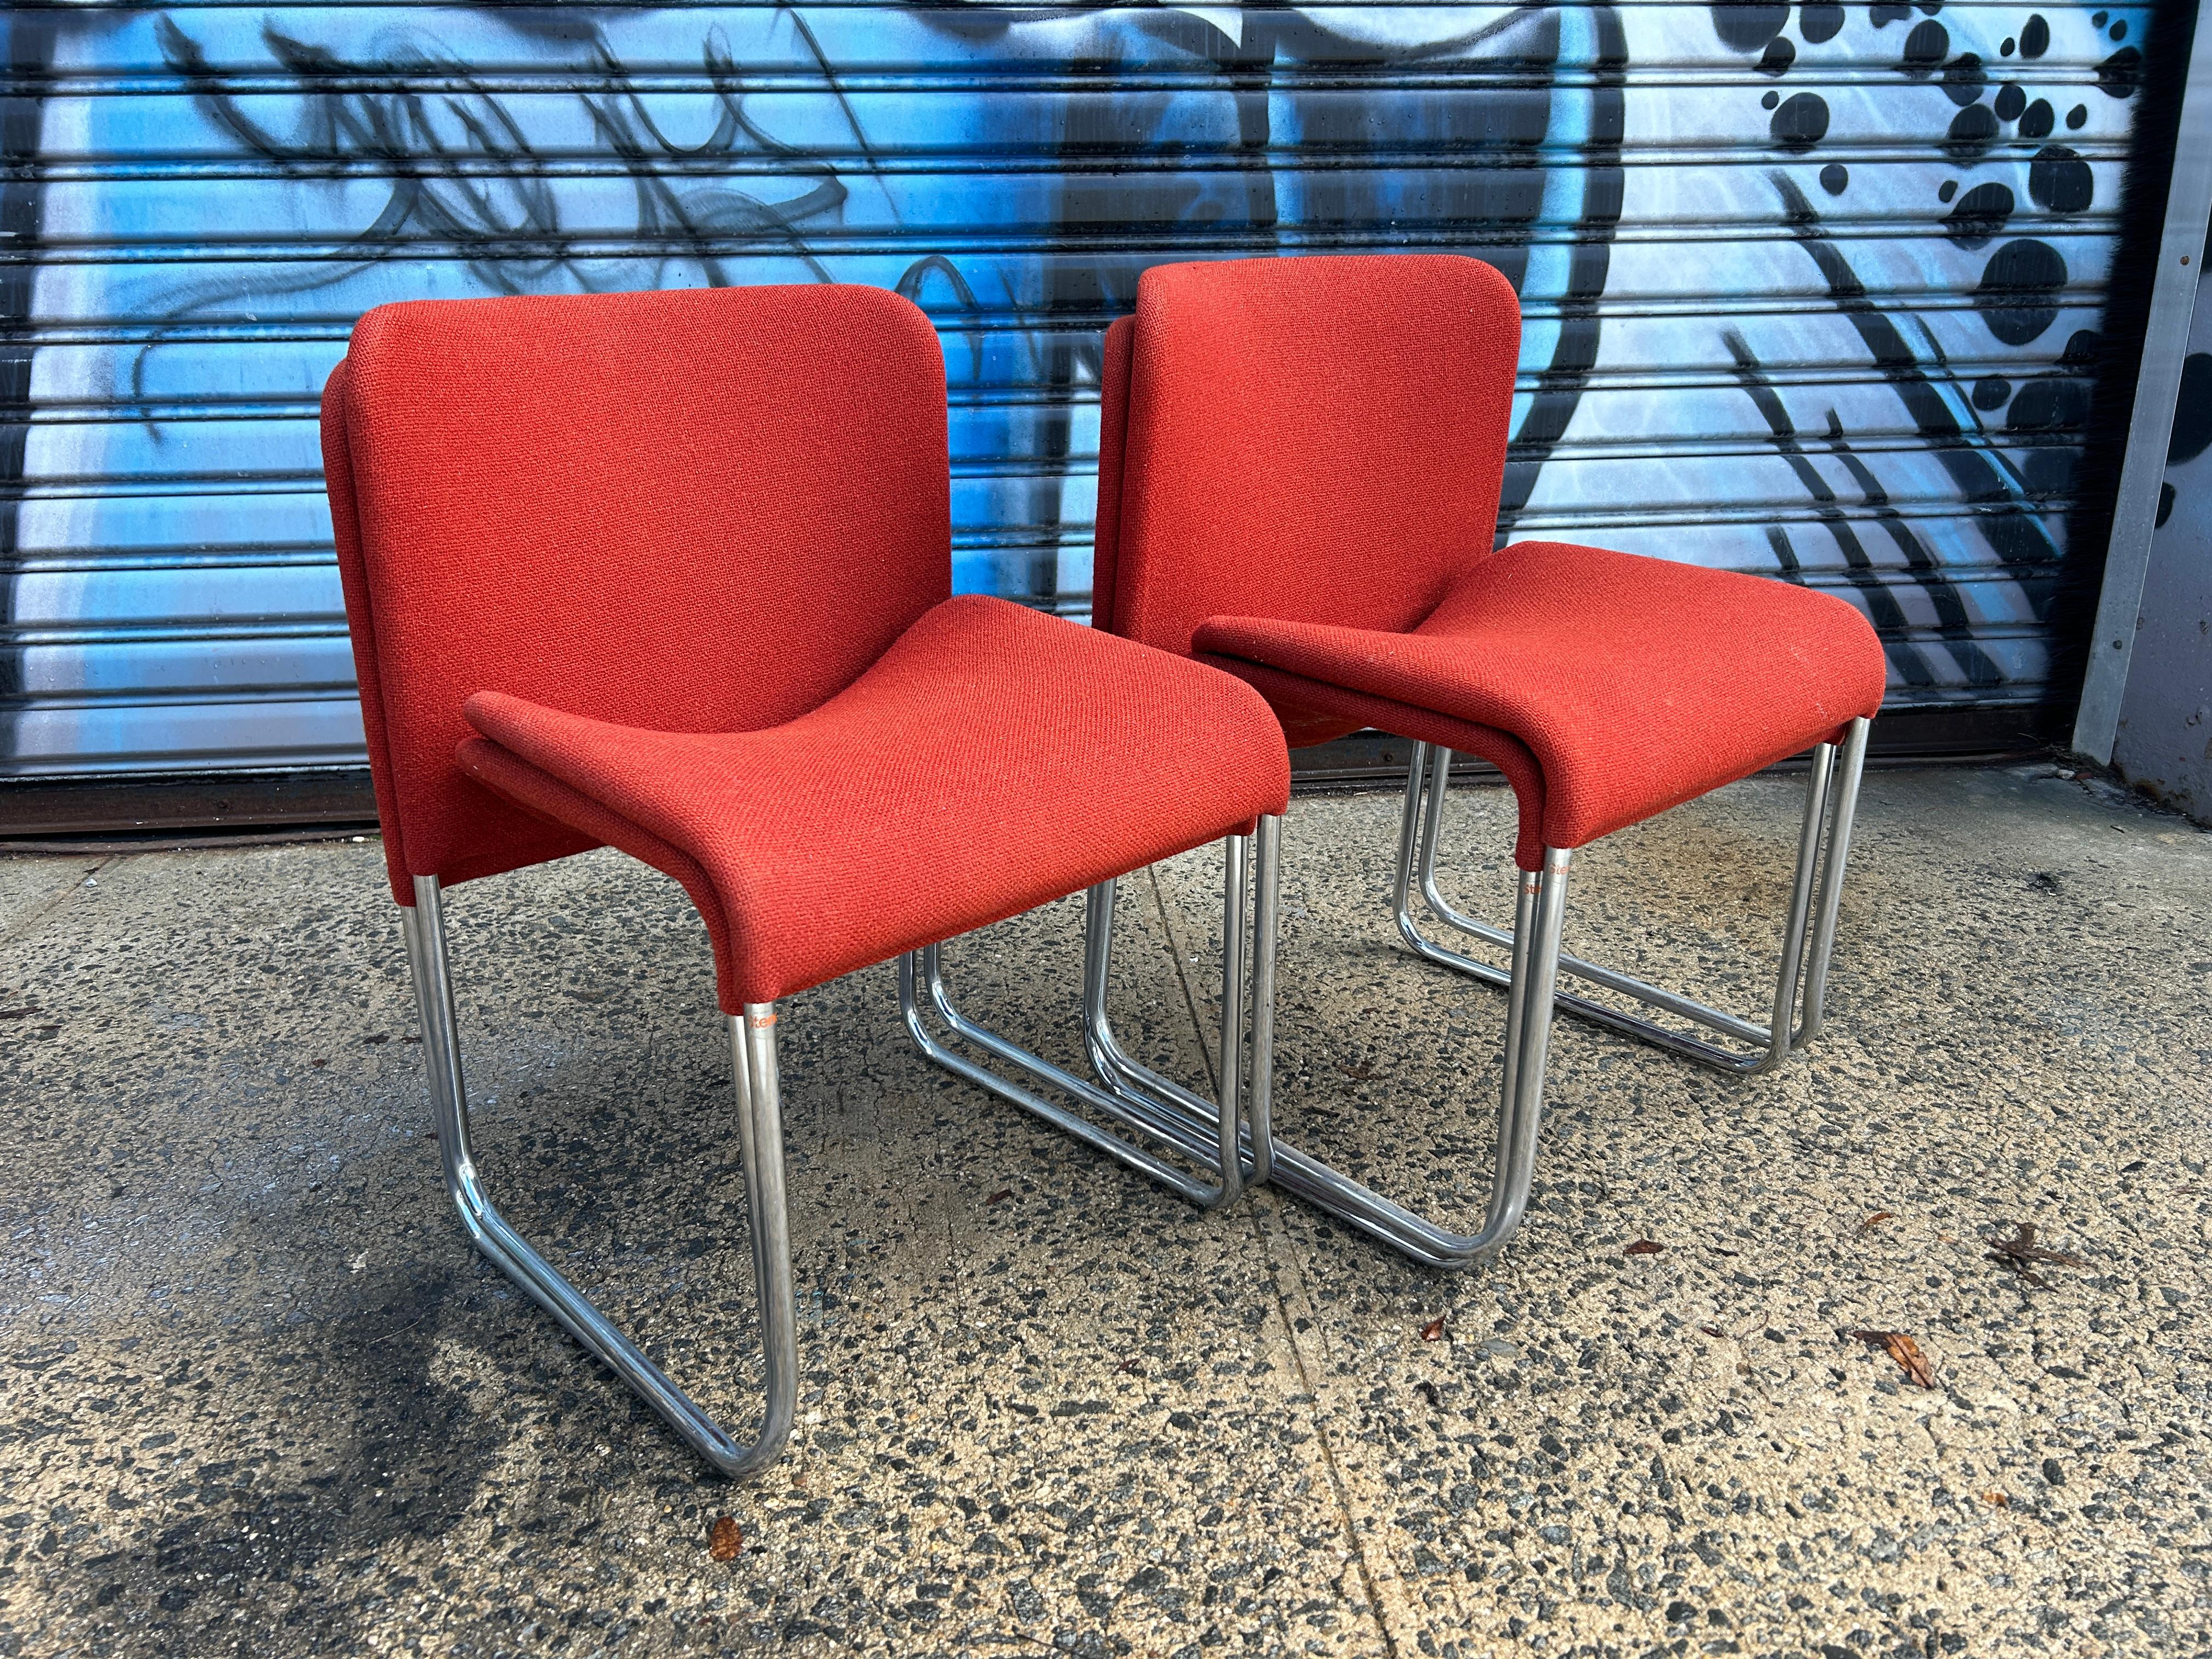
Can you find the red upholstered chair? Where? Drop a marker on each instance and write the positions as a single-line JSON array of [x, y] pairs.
[[672, 572], [1300, 463]]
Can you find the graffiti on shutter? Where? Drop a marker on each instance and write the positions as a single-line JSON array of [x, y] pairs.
[[1809, 290]]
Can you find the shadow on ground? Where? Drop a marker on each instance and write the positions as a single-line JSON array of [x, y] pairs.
[[260, 1398]]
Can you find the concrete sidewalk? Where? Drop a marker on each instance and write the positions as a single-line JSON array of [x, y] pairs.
[[261, 1398]]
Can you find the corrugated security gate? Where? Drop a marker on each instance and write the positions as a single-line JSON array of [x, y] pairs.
[[1814, 291]]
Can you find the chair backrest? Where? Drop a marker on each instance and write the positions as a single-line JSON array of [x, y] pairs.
[[702, 510], [1309, 440]]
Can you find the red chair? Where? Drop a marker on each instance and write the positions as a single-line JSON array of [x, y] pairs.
[[1300, 463], [672, 572]]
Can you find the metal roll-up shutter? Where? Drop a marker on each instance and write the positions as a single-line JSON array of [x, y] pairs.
[[1811, 290]]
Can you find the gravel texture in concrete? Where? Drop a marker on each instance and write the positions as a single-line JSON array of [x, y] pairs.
[[260, 1397]]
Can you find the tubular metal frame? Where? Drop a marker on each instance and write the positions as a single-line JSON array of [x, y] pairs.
[[1183, 1116], [760, 1134], [1531, 990], [1229, 1137], [1831, 805]]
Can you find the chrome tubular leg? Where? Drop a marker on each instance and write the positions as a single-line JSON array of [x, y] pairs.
[[919, 968], [1521, 1112], [1235, 910], [760, 1126], [1528, 887], [1409, 856], [1418, 852], [760, 1141], [1409, 824], [1782, 1036], [1097, 962], [1542, 910], [1266, 906], [1842, 816], [1226, 1136], [1170, 1110], [1432, 822], [1421, 835], [1136, 1085]]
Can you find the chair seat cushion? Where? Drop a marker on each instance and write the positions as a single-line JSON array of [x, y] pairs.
[[1636, 683], [994, 758]]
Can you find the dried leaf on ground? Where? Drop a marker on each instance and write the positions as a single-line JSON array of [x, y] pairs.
[[1644, 1247], [1904, 1350], [1358, 1073], [2022, 1254], [1996, 1499], [1433, 1331], [1878, 1217], [725, 1541]]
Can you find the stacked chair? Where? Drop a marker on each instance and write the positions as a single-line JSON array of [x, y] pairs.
[[671, 573]]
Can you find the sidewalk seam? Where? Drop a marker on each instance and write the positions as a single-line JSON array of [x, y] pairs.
[[1354, 1534], [1182, 978], [30, 922]]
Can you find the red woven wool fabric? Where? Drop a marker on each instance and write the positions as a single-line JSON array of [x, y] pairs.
[[993, 759], [1302, 725], [1299, 471], [1113, 433], [1355, 711], [1315, 439], [699, 511], [353, 580], [1637, 683]]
